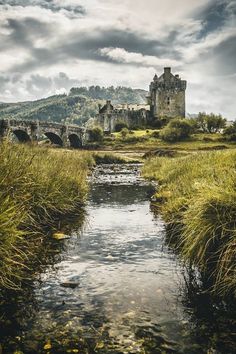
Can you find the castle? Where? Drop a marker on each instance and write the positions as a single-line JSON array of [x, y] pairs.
[[167, 96], [166, 100]]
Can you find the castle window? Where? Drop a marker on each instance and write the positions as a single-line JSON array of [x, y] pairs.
[[168, 100]]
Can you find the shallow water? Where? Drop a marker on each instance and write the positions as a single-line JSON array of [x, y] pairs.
[[114, 287]]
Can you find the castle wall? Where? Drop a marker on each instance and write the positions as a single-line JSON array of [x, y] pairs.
[[171, 104], [167, 96], [131, 118]]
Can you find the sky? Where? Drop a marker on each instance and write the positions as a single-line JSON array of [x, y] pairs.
[[47, 47]]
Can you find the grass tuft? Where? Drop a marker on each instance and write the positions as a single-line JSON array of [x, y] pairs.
[[198, 192], [35, 185]]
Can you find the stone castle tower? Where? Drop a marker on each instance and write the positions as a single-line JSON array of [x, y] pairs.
[[167, 96]]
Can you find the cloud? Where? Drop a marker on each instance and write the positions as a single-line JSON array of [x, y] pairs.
[[48, 46], [224, 55], [214, 16], [35, 86], [215, 95], [199, 49], [23, 33], [72, 9], [120, 55], [89, 46]]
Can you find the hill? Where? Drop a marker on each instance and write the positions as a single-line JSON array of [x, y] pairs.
[[75, 108]]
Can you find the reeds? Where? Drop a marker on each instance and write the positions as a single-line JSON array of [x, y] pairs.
[[199, 204], [35, 185]]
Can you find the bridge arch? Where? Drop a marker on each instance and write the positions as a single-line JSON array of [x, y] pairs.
[[75, 141], [21, 135], [54, 138]]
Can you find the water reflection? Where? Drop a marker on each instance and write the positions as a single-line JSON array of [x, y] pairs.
[[126, 295]]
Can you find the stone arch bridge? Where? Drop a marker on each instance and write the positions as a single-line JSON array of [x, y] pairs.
[[58, 134]]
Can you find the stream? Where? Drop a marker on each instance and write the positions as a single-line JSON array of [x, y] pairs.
[[114, 286]]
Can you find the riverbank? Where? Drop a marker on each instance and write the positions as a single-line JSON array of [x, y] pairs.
[[197, 199], [112, 285], [149, 139], [36, 184], [125, 294]]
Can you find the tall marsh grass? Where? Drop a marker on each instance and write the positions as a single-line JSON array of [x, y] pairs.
[[35, 185], [198, 194]]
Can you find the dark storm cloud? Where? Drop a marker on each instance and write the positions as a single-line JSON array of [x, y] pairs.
[[23, 33], [39, 83], [83, 45], [218, 19], [63, 80], [46, 4], [129, 41], [215, 15], [87, 46], [225, 55]]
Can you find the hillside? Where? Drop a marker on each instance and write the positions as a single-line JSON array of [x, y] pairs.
[[77, 107]]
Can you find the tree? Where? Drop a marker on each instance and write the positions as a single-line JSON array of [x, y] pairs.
[[230, 132], [177, 129], [210, 123]]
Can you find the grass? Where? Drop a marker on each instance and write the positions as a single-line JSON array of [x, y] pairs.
[[143, 140], [198, 200], [113, 158], [137, 133], [35, 185]]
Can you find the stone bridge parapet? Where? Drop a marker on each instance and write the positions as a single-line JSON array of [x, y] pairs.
[[57, 133]]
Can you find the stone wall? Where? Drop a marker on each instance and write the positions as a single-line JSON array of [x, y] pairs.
[[167, 96], [108, 117], [171, 104]]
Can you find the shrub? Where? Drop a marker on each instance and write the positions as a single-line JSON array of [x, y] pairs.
[[96, 134], [176, 130], [124, 132], [230, 132], [170, 134], [120, 125], [210, 123], [160, 123], [155, 134]]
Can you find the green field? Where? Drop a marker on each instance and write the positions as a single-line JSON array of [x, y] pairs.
[[143, 140]]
